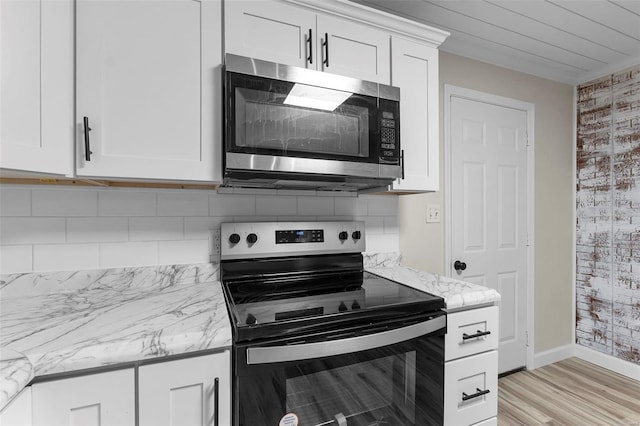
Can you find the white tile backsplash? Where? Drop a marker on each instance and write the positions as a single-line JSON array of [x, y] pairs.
[[275, 205], [232, 205], [156, 228], [186, 251], [316, 206], [15, 202], [97, 229], [116, 202], [113, 255], [32, 230], [16, 259], [186, 203], [64, 257], [60, 202], [115, 227]]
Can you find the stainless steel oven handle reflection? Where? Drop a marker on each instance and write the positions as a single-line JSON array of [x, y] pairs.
[[304, 351]]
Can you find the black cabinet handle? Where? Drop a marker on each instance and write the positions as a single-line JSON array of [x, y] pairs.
[[310, 41], [466, 336], [216, 404], [87, 143], [325, 43], [479, 392], [402, 161], [459, 266]]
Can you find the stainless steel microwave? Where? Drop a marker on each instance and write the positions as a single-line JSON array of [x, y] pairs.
[[295, 128]]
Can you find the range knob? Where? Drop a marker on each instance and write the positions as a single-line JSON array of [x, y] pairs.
[[252, 238], [342, 307], [234, 238], [343, 235], [356, 235]]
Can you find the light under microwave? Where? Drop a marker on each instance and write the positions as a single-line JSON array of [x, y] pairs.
[[295, 128]]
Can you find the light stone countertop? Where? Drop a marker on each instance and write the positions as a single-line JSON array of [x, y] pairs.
[[456, 293], [64, 321]]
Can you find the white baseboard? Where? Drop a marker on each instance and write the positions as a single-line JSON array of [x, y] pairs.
[[609, 362], [553, 355]]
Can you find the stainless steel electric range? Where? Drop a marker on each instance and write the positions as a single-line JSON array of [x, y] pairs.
[[319, 341]]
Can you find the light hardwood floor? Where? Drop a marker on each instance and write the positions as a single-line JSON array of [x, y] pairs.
[[569, 392]]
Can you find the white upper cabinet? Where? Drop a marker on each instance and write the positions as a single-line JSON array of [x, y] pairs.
[[353, 49], [415, 72], [271, 31], [293, 35], [148, 81], [36, 85]]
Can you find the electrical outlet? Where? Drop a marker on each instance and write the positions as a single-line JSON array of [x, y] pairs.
[[214, 245], [433, 213]]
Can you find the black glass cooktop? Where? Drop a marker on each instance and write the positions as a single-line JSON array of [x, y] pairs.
[[283, 296]]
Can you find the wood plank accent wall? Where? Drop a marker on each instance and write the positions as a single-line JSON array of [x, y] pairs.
[[608, 215]]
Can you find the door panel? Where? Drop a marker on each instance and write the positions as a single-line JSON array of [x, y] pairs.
[[354, 50], [489, 211], [270, 31], [36, 85], [148, 92]]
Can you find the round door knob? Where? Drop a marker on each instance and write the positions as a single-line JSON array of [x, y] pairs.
[[234, 238], [343, 235], [252, 238], [459, 266], [356, 235]]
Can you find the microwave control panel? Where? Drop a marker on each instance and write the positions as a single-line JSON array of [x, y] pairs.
[[389, 133]]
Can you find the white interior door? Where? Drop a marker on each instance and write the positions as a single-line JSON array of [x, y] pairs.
[[489, 211]]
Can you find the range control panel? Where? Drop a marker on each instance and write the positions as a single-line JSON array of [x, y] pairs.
[[272, 239]]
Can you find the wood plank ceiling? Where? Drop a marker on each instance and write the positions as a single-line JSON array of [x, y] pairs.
[[570, 41]]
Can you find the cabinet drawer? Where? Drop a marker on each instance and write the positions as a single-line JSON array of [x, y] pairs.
[[463, 380], [462, 326], [493, 421]]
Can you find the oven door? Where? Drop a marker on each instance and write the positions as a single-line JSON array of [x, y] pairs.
[[389, 377]]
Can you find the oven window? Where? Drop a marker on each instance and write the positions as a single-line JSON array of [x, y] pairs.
[[376, 392], [270, 117]]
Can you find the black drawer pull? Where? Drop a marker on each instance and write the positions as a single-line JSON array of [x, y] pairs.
[[216, 401], [87, 143], [325, 43], [466, 336], [310, 41], [479, 392]]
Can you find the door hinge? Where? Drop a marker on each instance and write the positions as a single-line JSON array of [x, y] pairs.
[[528, 242], [527, 338]]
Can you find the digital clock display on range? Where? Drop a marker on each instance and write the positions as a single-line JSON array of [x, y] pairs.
[[300, 236]]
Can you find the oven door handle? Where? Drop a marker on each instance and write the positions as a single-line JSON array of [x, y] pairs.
[[270, 354]]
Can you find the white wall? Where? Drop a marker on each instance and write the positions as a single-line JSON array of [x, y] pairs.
[[422, 244], [46, 228]]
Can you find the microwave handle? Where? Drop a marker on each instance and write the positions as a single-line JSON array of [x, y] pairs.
[[271, 354]]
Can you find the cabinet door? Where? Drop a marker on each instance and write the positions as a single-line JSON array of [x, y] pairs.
[[354, 50], [36, 85], [94, 400], [271, 31], [415, 72], [149, 80], [18, 411], [184, 392]]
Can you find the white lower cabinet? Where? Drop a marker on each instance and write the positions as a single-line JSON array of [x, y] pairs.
[[18, 411], [471, 367], [102, 399], [186, 392], [493, 421]]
